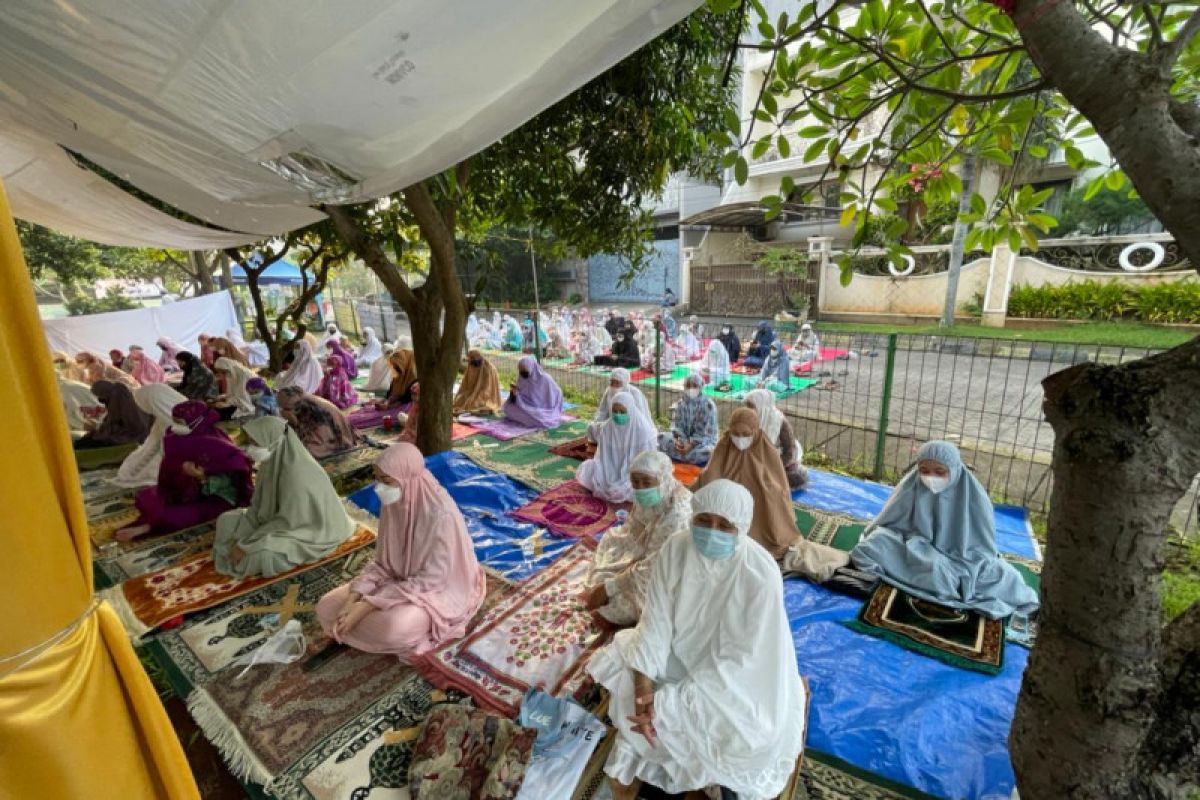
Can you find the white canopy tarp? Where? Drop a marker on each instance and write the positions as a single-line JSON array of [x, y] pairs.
[[181, 321], [246, 114]]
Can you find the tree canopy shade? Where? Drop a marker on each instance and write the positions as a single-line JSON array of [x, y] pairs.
[[579, 173], [895, 96]]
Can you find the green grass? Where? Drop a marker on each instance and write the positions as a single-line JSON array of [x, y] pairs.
[[1120, 334], [1179, 592]]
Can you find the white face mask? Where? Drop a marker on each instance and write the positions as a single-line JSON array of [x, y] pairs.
[[388, 494], [256, 453], [180, 428], [692, 392], [741, 442], [935, 484]]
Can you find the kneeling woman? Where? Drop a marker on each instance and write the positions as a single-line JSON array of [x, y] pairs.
[[296, 516], [699, 697], [618, 439], [623, 559], [425, 584], [203, 474], [936, 539]]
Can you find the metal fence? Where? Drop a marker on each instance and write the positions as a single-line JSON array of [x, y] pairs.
[[883, 395]]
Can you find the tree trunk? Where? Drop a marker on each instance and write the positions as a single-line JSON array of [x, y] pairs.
[[202, 270], [959, 241], [1127, 444], [1169, 765], [437, 367]]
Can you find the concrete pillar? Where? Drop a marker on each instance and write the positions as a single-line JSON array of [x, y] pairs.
[[995, 297], [819, 248]]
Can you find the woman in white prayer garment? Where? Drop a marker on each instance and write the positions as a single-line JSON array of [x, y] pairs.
[[701, 698]]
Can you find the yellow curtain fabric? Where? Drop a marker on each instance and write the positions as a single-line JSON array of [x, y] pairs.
[[78, 719]]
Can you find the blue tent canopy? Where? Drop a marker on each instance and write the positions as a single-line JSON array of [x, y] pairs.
[[281, 273]]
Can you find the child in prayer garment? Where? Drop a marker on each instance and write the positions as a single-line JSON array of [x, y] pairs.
[[778, 431], [694, 430], [535, 401], [621, 564], [626, 433], [336, 386], [349, 363], [936, 539], [265, 404], [295, 517], [203, 474], [776, 373], [729, 340], [425, 584], [700, 696], [745, 456]]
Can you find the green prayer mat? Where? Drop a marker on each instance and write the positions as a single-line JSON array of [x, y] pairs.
[[532, 463], [740, 384], [840, 531], [97, 457], [563, 433], [957, 637], [827, 777]]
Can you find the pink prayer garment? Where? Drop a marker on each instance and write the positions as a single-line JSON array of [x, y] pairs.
[[425, 584]]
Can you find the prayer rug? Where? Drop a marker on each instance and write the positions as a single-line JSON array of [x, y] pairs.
[[102, 528], [149, 600], [840, 531], [532, 463], [960, 638], [672, 381], [98, 487], [117, 561], [351, 469], [741, 384], [580, 449], [825, 777], [639, 375], [337, 723], [570, 510], [824, 354], [369, 417], [538, 634], [564, 432], [97, 457], [505, 429]]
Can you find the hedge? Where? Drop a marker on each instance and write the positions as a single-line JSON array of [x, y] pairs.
[[1163, 302]]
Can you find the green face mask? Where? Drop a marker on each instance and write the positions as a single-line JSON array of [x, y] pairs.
[[647, 498], [620, 418]]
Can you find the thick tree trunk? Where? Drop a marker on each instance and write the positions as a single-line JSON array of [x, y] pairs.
[[437, 367], [1169, 765], [202, 270], [1127, 444]]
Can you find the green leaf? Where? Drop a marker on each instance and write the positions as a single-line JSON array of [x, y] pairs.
[[887, 204], [978, 206], [732, 121], [848, 215], [768, 101], [812, 131], [783, 146], [1030, 239], [845, 269], [1014, 240], [787, 185], [729, 159], [1093, 187], [1115, 180], [971, 242], [760, 148], [1074, 156], [1037, 151], [814, 149], [741, 170], [997, 155]]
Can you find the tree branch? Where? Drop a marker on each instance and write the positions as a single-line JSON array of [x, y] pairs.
[[368, 249], [1169, 54]]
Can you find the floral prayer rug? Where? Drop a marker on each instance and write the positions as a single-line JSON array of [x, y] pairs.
[[147, 601], [570, 510], [538, 634], [580, 449], [335, 724], [117, 562], [530, 462], [960, 638]]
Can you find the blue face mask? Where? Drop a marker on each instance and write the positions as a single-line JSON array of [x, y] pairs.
[[714, 544], [647, 498], [620, 418]]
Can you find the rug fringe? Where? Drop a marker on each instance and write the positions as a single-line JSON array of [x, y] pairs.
[[133, 626], [225, 737]]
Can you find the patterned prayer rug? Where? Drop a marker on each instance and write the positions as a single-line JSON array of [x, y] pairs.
[[580, 449], [825, 777], [841, 531], [371, 417], [99, 489], [102, 528], [97, 457], [563, 433], [532, 463], [335, 724], [505, 429], [959, 638], [147, 601], [350, 470], [570, 510], [117, 562], [539, 633]]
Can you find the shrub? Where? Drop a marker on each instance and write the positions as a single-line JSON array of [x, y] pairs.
[[80, 304], [1093, 300]]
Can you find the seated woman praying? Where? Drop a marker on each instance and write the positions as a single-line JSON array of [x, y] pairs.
[[237, 402], [199, 382], [729, 340], [479, 391], [78, 403], [140, 468], [745, 456], [335, 385], [96, 369], [404, 375], [621, 565], [371, 350], [295, 517], [335, 349], [203, 474], [778, 431], [760, 345], [705, 692], [936, 539], [123, 421], [618, 381], [776, 373], [716, 366], [535, 401], [512, 337], [304, 373], [265, 403], [321, 425], [624, 352], [141, 368], [425, 584], [379, 378], [807, 346], [694, 430], [621, 437]]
